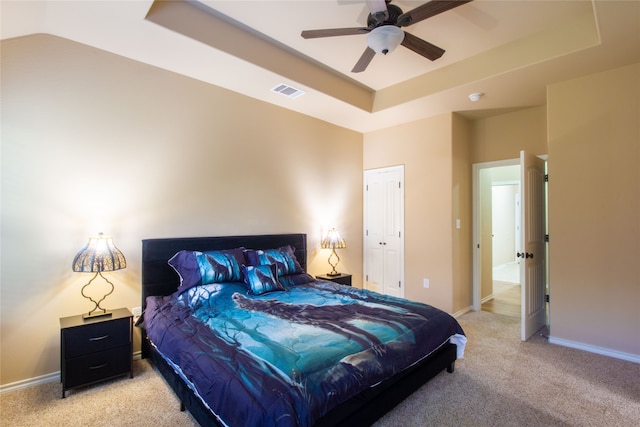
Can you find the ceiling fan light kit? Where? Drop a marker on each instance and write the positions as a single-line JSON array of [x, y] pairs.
[[385, 39], [384, 28]]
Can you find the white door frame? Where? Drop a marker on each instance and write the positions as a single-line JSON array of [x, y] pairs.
[[477, 235]]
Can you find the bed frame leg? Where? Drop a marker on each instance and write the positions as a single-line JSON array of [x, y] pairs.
[[182, 407], [451, 367]]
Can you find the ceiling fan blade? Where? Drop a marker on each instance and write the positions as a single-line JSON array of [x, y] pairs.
[[364, 60], [332, 32], [421, 47], [427, 10]]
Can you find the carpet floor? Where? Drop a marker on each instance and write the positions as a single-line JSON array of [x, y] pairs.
[[500, 382]]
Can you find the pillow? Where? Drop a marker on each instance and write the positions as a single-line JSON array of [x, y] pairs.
[[261, 279], [284, 258], [201, 268], [291, 280]]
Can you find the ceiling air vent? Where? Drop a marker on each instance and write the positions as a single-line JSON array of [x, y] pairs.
[[288, 91]]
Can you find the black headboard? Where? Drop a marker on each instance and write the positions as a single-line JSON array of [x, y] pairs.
[[158, 278]]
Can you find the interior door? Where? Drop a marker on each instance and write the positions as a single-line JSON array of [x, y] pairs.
[[391, 244], [532, 254], [383, 230], [373, 233]]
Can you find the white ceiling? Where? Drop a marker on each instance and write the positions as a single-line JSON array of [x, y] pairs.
[[508, 49]]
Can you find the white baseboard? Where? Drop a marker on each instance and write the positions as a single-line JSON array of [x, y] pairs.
[[595, 349], [487, 298], [30, 382], [42, 379], [463, 311]]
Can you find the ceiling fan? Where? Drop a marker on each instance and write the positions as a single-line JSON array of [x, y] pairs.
[[384, 29]]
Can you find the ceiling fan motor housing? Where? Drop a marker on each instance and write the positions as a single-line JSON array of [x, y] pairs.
[[378, 19]]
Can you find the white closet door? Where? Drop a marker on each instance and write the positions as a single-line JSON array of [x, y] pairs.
[[373, 232], [384, 230]]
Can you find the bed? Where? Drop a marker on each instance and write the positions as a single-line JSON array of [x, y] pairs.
[[264, 343]]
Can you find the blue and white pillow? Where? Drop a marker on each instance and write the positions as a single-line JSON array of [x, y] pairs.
[[261, 279], [284, 258], [200, 268]]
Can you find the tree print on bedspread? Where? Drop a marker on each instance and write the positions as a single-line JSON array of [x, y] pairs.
[[336, 320]]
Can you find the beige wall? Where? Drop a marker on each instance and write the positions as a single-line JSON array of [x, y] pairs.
[[95, 142], [426, 149], [462, 210], [502, 137], [594, 209]]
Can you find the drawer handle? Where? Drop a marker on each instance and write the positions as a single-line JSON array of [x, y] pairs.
[[104, 337], [98, 366]]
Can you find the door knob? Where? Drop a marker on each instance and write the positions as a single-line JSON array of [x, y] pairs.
[[528, 255], [520, 254]]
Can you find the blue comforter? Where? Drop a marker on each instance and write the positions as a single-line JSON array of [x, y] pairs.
[[286, 358]]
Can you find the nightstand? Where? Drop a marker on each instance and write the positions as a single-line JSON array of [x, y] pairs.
[[95, 349], [343, 279]]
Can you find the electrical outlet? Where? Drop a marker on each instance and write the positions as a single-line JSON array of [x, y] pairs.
[[137, 311], [425, 283]]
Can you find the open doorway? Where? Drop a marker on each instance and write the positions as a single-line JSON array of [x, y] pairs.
[[505, 296], [496, 224], [531, 251]]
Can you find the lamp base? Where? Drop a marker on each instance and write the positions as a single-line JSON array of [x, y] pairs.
[[94, 314], [333, 272], [97, 310]]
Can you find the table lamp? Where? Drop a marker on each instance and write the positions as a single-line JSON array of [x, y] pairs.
[[333, 241], [99, 255]]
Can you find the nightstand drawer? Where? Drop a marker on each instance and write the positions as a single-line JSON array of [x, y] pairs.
[[92, 338], [98, 366]]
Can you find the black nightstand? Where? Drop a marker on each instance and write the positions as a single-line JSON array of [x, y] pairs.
[[95, 349], [343, 279]]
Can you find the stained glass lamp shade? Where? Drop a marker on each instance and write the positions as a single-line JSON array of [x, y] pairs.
[[99, 255], [333, 241]]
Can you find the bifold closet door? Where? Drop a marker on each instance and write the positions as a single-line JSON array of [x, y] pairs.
[[384, 230]]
